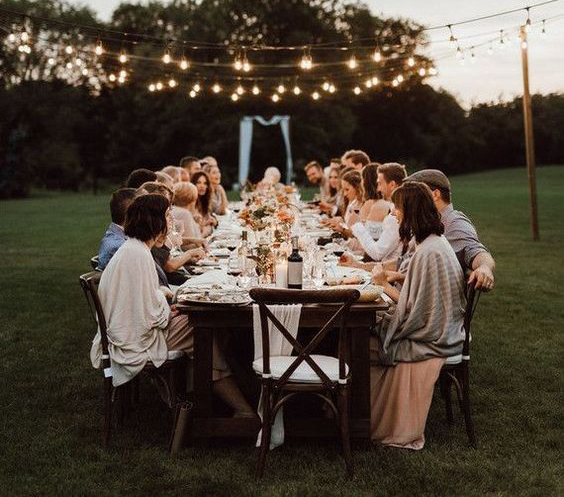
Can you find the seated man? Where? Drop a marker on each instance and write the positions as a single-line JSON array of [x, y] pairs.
[[191, 165], [139, 176], [315, 176], [114, 236], [459, 231], [355, 158]]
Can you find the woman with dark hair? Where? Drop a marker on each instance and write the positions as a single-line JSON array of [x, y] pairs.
[[352, 194], [426, 327], [204, 203], [375, 208], [218, 195], [142, 327]]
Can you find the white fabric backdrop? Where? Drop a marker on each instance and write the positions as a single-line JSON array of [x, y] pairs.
[[246, 140]]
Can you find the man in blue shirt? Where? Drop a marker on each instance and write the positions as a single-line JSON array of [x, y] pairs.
[[114, 236]]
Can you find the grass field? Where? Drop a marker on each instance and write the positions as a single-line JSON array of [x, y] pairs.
[[50, 399]]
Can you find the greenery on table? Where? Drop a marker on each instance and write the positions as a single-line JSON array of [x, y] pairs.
[[51, 404]]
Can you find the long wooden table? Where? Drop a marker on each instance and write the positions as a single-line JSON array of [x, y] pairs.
[[208, 321]]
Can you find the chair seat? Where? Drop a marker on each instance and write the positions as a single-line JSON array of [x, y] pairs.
[[453, 360], [303, 374]]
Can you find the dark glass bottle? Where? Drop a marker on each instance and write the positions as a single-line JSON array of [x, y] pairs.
[[295, 266]]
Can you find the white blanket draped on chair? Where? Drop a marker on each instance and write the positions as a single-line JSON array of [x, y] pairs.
[[289, 317]]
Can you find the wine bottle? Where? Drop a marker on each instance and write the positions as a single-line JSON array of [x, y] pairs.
[[295, 266], [243, 251]]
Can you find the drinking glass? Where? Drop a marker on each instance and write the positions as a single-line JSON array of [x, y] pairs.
[[177, 232], [318, 274]]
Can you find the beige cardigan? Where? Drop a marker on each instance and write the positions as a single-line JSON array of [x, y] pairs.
[[136, 312], [428, 321]]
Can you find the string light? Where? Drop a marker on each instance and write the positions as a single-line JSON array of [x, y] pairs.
[[400, 78], [78, 61], [472, 55], [216, 88], [255, 90], [69, 49], [306, 62], [281, 88], [152, 87], [411, 62], [357, 90], [297, 90], [452, 39], [234, 97], [196, 87], [11, 37], [99, 49], [24, 36], [459, 53], [166, 57], [377, 56], [240, 90], [85, 72], [159, 86], [68, 65], [238, 64], [368, 83], [395, 83], [275, 98], [375, 80], [422, 72], [112, 77], [332, 88], [352, 63], [172, 82], [193, 94], [51, 61], [123, 57], [543, 31], [501, 39], [123, 74], [325, 86], [246, 64], [528, 25], [315, 95], [184, 64]]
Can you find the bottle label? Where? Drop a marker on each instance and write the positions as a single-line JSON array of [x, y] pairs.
[[295, 273]]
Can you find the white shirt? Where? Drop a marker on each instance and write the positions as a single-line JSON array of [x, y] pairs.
[[388, 246]]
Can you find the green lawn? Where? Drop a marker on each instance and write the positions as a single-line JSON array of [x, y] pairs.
[[51, 405]]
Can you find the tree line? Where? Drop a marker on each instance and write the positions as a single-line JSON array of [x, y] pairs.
[[61, 134]]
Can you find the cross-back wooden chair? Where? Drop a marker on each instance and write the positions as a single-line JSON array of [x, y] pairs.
[[455, 371], [94, 263], [283, 377], [173, 368]]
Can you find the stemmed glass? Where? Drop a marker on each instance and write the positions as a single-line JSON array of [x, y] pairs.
[[233, 264], [177, 232], [318, 272]]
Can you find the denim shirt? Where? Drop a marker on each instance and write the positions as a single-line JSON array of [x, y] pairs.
[[112, 240]]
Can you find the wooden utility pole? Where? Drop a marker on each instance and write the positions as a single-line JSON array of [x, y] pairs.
[[529, 141]]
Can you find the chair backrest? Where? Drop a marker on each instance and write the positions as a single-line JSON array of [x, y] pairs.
[[266, 296], [94, 263], [89, 283], [472, 298]]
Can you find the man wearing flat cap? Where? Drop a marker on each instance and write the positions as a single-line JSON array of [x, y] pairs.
[[459, 230]]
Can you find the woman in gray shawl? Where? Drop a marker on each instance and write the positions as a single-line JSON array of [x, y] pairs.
[[426, 327]]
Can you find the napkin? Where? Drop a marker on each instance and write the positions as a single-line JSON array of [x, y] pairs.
[[209, 278]]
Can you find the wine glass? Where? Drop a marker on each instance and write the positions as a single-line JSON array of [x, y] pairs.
[[177, 232], [318, 273]]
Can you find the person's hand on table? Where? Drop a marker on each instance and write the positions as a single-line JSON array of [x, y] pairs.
[[325, 207], [348, 260], [353, 219], [482, 278], [379, 275], [196, 254]]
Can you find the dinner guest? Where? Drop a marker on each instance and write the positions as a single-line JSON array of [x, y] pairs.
[[375, 208], [388, 246], [459, 231], [155, 187], [191, 165], [426, 327], [351, 186], [183, 174], [173, 172], [184, 205], [141, 325], [165, 179], [355, 158], [114, 236], [218, 195], [315, 176], [204, 216], [139, 176]]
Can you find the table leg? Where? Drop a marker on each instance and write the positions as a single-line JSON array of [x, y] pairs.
[[203, 364], [360, 398]]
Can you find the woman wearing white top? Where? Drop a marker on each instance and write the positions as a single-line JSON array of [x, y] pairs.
[[375, 208], [141, 325], [351, 188], [218, 195]]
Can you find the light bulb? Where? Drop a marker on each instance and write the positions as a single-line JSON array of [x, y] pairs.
[[68, 49], [395, 83], [375, 80], [422, 72], [246, 65], [275, 98], [543, 31], [255, 90], [297, 90], [123, 57], [368, 83], [11, 37], [452, 41], [51, 61], [159, 86], [69, 66], [377, 56], [152, 87], [240, 90], [433, 71], [411, 62], [238, 65], [357, 90], [315, 95], [121, 80], [196, 87], [99, 50], [306, 62], [281, 88], [193, 94], [184, 64], [234, 97], [172, 82], [459, 53], [25, 37], [112, 77], [85, 72], [216, 88], [352, 63], [78, 61], [325, 86], [400, 79], [166, 57], [123, 73], [332, 88]]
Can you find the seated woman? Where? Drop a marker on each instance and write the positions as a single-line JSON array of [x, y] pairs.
[[183, 208], [218, 196], [141, 325], [204, 216], [272, 177], [426, 327], [351, 187], [330, 205], [375, 208]]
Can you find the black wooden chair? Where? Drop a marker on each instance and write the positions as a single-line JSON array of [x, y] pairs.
[[173, 370], [283, 377], [456, 372], [94, 263]]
